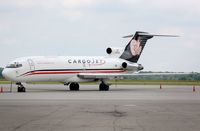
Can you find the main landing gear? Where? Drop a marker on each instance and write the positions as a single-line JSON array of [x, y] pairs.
[[20, 87], [103, 86], [74, 86]]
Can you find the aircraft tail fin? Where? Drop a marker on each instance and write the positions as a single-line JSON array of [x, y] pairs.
[[136, 45]]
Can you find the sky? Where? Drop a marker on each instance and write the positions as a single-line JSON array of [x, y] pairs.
[[88, 27]]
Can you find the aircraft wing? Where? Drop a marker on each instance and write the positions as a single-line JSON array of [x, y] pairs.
[[120, 75], [101, 76]]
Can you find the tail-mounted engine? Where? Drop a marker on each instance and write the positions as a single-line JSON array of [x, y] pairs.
[[132, 67], [114, 51]]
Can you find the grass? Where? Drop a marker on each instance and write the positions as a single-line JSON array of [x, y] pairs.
[[128, 82]]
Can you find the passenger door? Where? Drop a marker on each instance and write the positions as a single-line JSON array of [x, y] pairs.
[[31, 64]]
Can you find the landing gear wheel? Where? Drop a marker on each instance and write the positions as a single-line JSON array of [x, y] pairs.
[[74, 86], [103, 87], [23, 89], [20, 88]]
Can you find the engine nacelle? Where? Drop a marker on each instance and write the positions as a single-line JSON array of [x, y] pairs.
[[114, 51], [132, 67]]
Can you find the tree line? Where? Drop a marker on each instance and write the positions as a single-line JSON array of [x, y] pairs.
[[180, 76], [1, 69]]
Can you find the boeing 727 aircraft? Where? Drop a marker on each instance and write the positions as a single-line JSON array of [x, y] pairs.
[[71, 70]]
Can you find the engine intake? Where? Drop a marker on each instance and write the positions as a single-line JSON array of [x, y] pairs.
[[114, 51], [124, 65], [108, 50]]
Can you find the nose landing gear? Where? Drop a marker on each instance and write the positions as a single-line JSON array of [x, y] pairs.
[[20, 87]]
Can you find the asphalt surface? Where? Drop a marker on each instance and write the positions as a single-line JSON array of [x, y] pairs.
[[123, 108]]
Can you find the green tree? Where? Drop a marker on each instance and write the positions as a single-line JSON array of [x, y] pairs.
[[1, 69]]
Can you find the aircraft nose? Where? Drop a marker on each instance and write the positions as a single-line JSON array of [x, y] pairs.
[[7, 74], [3, 73]]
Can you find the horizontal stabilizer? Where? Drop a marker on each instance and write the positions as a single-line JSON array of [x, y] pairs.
[[147, 34]]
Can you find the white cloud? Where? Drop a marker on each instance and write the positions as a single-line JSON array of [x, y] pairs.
[[72, 15], [4, 25], [71, 10], [172, 30], [187, 5], [48, 3], [8, 41], [76, 3], [192, 41], [162, 4]]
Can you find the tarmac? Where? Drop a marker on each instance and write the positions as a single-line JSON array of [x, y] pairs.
[[123, 108]]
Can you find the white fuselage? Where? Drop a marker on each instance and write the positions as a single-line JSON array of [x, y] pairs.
[[61, 68]]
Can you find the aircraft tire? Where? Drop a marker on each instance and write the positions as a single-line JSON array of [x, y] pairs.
[[103, 87], [21, 89], [74, 86]]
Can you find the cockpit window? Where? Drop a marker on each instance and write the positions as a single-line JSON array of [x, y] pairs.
[[15, 65]]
